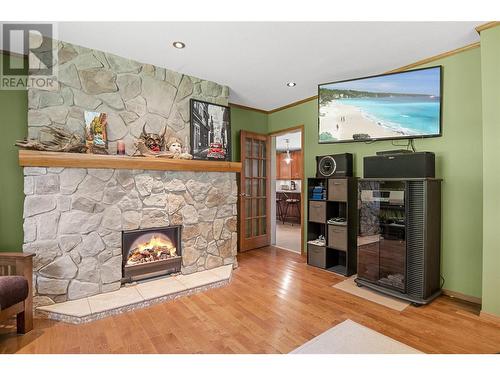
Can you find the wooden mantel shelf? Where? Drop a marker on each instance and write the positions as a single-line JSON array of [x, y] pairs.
[[29, 158]]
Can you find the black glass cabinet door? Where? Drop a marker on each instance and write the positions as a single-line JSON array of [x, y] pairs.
[[382, 241]]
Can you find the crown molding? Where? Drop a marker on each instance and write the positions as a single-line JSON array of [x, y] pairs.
[[275, 109], [400, 69], [487, 25], [293, 104], [479, 28], [436, 57], [248, 108]]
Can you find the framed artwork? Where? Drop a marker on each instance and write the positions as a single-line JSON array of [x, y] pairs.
[[210, 131], [95, 132]]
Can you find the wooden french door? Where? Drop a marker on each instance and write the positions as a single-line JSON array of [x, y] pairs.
[[255, 221]]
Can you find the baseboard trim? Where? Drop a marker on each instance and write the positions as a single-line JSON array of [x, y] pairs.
[[489, 317], [461, 296], [289, 250]]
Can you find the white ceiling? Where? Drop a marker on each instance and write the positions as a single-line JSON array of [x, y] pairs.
[[294, 139], [256, 59]]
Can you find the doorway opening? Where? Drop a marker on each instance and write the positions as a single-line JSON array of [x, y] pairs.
[[287, 185]]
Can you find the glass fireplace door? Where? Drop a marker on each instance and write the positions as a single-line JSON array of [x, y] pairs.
[[382, 241]]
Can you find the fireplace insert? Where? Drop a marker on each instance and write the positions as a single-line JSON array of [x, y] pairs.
[[151, 252]]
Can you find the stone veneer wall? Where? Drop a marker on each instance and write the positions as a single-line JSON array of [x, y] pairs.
[[132, 93], [73, 220], [73, 217]]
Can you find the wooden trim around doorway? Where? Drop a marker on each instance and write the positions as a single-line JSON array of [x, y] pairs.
[[302, 179]]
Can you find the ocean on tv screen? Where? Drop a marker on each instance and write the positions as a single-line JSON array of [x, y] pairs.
[[381, 107]]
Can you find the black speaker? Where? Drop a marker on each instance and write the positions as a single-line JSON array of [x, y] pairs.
[[339, 165], [407, 165]]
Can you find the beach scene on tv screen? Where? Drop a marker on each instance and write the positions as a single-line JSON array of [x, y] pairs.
[[391, 106]]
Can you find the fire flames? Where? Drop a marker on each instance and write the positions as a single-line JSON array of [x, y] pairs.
[[157, 248]]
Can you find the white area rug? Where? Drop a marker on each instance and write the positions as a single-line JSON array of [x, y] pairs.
[[350, 337], [350, 286]]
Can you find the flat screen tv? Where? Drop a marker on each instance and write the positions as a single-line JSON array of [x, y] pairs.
[[388, 106]]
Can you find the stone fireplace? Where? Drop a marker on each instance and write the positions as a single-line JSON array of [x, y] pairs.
[[151, 252], [74, 219], [74, 213]]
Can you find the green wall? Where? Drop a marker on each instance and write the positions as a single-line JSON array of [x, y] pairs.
[[459, 163], [247, 120], [13, 120], [490, 70]]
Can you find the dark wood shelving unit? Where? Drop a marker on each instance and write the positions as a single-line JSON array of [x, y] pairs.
[[339, 253]]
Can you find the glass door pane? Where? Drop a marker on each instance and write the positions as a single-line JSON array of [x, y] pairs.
[[255, 168], [382, 242], [248, 168], [248, 147], [263, 226], [248, 228], [255, 150]]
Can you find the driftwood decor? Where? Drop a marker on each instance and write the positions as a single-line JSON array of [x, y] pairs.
[[58, 140]]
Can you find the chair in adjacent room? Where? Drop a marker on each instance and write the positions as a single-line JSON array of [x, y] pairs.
[[293, 203]]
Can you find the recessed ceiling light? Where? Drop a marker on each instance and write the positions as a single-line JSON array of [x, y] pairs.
[[179, 45], [291, 84]]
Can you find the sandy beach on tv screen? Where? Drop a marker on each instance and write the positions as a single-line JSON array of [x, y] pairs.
[[343, 121]]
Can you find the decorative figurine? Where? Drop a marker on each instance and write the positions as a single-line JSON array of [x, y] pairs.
[[154, 142], [163, 145], [174, 146]]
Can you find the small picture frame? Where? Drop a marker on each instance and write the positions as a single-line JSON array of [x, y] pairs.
[[96, 135], [210, 131]]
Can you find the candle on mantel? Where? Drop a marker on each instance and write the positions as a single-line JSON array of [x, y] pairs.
[[120, 148]]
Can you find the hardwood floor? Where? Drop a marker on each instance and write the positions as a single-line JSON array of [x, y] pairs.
[[274, 304]]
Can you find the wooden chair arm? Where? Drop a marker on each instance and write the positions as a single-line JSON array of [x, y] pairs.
[[23, 266], [19, 261], [15, 255]]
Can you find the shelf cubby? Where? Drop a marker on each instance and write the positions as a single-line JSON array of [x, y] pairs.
[[339, 253]]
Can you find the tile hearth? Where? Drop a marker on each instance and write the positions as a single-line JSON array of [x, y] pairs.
[[135, 296]]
